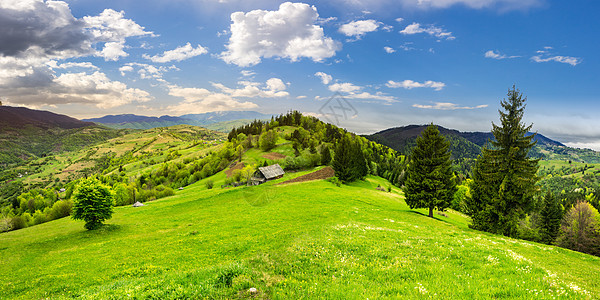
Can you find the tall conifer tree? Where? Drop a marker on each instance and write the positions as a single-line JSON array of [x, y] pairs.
[[429, 178], [504, 176]]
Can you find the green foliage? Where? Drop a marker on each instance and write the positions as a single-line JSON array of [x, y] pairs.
[[580, 229], [268, 140], [550, 219], [504, 176], [459, 200], [209, 184], [349, 162], [335, 180], [325, 155], [429, 181], [93, 203]]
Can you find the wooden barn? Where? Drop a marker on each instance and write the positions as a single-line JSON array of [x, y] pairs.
[[267, 173]]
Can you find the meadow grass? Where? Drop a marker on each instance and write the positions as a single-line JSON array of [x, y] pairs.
[[301, 240]]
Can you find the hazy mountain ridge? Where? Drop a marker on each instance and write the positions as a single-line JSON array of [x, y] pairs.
[[143, 122]]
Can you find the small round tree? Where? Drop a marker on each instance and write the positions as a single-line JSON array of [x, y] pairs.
[[429, 178], [93, 203]]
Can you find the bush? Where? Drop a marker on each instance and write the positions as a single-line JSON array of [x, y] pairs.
[[61, 209], [209, 184], [335, 181]]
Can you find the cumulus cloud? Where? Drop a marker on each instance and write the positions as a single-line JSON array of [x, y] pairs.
[[325, 78], [95, 89], [409, 84], [545, 56], [37, 35], [416, 28], [37, 28], [177, 54], [199, 100], [389, 49], [497, 55], [447, 106], [273, 88], [359, 28], [289, 32]]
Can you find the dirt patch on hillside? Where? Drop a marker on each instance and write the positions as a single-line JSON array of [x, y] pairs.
[[237, 166], [274, 156], [317, 175]]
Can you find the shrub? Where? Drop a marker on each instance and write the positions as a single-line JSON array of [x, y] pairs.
[[335, 181], [61, 209], [209, 184]]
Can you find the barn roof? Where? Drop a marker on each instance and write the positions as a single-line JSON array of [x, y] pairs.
[[271, 171]]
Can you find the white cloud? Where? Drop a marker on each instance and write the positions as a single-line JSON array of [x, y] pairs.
[[273, 88], [301, 97], [289, 32], [95, 89], [177, 54], [409, 84], [345, 87], [359, 28], [399, 20], [416, 28], [503, 5], [276, 84], [325, 78], [113, 51], [447, 106], [86, 65], [147, 71], [545, 57], [199, 100], [247, 73], [497, 55], [389, 49], [352, 91], [111, 26]]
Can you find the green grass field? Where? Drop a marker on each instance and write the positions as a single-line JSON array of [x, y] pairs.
[[302, 240]]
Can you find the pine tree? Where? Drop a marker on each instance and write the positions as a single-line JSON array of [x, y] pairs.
[[551, 216], [504, 176], [342, 159], [325, 155], [429, 178]]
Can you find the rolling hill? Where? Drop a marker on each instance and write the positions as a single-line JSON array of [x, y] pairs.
[[468, 144], [286, 242], [221, 121], [27, 133]]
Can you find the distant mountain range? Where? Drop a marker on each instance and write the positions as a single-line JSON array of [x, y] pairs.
[[462, 144], [220, 120], [21, 117]]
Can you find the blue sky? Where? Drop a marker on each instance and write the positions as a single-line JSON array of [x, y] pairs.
[[395, 62]]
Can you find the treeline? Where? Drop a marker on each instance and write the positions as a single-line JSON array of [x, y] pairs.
[[505, 195], [318, 143]]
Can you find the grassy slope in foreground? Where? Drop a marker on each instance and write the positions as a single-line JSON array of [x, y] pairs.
[[289, 242]]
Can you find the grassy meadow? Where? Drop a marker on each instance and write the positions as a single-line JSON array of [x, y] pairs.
[[301, 240]]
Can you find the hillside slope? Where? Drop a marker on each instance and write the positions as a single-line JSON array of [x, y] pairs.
[[21, 117], [288, 242]]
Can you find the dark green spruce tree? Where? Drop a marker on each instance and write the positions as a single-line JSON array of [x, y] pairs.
[[504, 176], [349, 161], [550, 218], [429, 178]]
